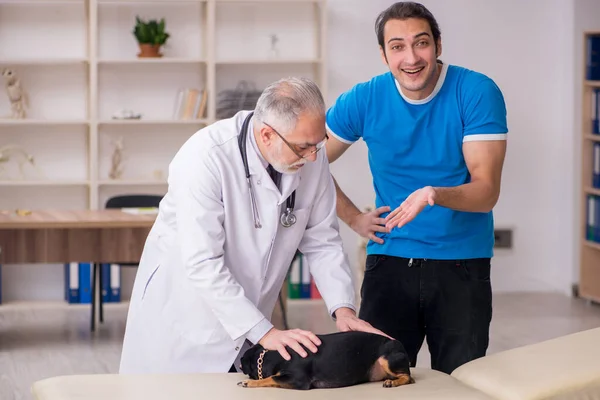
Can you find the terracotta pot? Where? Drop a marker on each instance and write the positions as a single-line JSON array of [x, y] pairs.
[[149, 50]]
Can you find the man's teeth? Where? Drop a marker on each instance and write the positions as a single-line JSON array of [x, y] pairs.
[[412, 71]]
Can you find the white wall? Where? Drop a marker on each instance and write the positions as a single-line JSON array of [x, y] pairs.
[[527, 47]]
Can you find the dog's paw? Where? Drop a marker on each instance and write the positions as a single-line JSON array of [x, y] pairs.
[[243, 383], [388, 383]]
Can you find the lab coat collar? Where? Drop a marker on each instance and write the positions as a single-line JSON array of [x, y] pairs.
[[258, 166]]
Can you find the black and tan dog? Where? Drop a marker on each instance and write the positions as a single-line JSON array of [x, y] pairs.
[[342, 359]]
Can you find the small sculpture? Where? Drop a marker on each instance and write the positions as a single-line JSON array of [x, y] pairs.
[[116, 168], [6, 153], [274, 52], [126, 114], [19, 99]]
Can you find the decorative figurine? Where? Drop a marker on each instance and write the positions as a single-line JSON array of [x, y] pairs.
[[274, 52], [126, 114], [6, 153], [116, 168], [19, 99]]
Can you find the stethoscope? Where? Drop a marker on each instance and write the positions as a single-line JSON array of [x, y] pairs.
[[287, 217]]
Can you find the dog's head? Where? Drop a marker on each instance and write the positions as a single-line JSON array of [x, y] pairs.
[[253, 359]]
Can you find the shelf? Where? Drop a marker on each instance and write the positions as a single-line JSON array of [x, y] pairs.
[[592, 137], [161, 60], [132, 183], [269, 1], [267, 61], [41, 62], [592, 83], [591, 244], [153, 122], [43, 183], [41, 122], [136, 2], [41, 2], [590, 190]]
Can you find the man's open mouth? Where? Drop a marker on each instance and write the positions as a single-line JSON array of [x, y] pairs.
[[412, 71]]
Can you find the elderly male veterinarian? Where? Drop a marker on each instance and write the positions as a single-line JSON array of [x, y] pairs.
[[226, 233]]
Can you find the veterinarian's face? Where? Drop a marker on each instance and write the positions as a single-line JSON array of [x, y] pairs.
[[289, 153]]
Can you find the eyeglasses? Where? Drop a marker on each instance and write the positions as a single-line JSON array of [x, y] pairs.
[[318, 146]]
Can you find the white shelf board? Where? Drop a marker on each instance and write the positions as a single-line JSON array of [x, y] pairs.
[[153, 122], [48, 182], [159, 60], [136, 2], [273, 61], [41, 62], [129, 182], [44, 2], [269, 1], [41, 122]]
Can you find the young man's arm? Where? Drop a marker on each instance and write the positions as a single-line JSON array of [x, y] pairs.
[[365, 224], [484, 160]]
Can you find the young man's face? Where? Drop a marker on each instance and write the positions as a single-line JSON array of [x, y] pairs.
[[411, 55]]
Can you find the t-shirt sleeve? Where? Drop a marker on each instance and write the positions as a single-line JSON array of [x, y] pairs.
[[345, 119], [484, 112]]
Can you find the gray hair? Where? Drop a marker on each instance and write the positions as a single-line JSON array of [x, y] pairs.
[[282, 102]]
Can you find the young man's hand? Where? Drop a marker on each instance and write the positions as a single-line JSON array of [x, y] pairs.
[[410, 208], [277, 339]]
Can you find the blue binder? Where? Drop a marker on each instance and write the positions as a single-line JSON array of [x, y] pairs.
[[596, 165], [595, 116], [593, 58], [85, 283], [71, 282]]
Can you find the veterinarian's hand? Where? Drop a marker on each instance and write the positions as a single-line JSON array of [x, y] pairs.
[[276, 339], [346, 320], [366, 224], [410, 208]]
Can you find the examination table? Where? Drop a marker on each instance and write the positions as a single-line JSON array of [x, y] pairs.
[[563, 368]]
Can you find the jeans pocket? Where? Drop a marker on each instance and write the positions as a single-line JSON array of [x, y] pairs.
[[478, 269], [373, 261]]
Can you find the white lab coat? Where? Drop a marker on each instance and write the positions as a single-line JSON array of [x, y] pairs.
[[207, 275]]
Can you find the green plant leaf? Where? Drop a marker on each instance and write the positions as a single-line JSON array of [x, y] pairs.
[[150, 32]]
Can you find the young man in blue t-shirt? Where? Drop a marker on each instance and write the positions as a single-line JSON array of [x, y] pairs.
[[436, 136]]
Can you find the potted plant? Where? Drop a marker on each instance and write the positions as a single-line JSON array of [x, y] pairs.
[[151, 36]]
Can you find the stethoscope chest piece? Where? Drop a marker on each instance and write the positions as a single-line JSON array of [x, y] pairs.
[[287, 218]]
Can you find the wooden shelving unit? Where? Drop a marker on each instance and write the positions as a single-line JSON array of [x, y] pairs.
[[589, 271], [82, 70]]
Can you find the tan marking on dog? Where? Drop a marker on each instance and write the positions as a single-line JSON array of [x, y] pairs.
[[394, 379], [262, 383], [378, 372]]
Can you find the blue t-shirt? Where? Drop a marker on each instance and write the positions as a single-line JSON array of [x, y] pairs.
[[413, 144]]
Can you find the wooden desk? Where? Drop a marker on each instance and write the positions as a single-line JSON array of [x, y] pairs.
[[62, 236]]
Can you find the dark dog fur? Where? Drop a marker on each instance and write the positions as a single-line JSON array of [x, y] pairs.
[[342, 359]]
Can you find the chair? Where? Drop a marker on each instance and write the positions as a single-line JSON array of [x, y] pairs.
[[122, 201]]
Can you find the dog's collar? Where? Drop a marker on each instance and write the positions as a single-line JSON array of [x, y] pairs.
[[259, 363]]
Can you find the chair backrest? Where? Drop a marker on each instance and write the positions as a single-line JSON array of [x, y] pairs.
[[134, 200]]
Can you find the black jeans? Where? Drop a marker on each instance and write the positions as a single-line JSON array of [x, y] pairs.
[[447, 301]]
